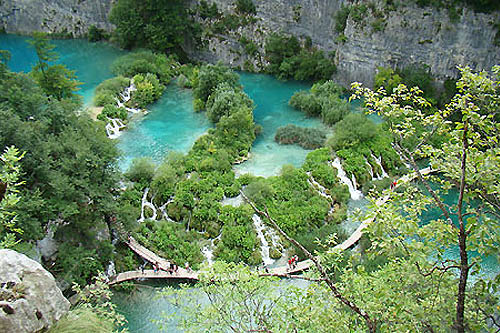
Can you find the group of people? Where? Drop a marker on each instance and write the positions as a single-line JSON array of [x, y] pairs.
[[292, 262], [172, 267]]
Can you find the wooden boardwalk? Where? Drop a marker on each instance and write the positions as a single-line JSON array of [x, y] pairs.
[[146, 254], [277, 271]]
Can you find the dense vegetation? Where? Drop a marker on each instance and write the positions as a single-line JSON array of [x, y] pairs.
[[296, 205], [324, 101], [288, 59], [157, 25], [68, 169], [416, 76]]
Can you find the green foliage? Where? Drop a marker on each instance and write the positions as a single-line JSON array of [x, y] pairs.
[[239, 242], [225, 101], [55, 80], [171, 240], [144, 62], [157, 25], [9, 182], [111, 111], [307, 138], [237, 299], [341, 18], [386, 78], [250, 47], [246, 7], [209, 77], [324, 100], [208, 11], [96, 34], [82, 319], [108, 90], [141, 170], [287, 59], [94, 307], [149, 89]]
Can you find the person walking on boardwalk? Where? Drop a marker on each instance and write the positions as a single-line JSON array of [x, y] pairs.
[[142, 268], [188, 269]]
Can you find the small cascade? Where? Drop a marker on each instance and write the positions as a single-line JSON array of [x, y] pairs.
[[144, 204], [111, 271], [126, 94], [264, 245], [322, 191], [208, 253], [379, 163], [355, 193], [113, 128], [163, 211], [370, 169]]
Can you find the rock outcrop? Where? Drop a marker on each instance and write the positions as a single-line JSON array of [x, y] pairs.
[[29, 298], [397, 37], [72, 17]]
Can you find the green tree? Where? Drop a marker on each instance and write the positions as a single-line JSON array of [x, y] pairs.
[[55, 80], [157, 25], [469, 162], [9, 183]]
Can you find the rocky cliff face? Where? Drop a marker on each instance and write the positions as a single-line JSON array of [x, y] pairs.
[[29, 298], [396, 38], [72, 17]]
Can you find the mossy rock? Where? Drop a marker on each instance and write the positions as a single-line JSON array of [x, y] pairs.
[[148, 212], [274, 253], [256, 258]]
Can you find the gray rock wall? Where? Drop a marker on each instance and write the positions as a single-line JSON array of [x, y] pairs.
[[411, 35], [55, 16], [29, 298]]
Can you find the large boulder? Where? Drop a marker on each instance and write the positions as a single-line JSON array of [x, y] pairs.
[[30, 301]]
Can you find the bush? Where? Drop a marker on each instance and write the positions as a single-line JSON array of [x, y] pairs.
[[107, 90], [96, 34], [308, 138], [141, 170], [143, 62], [225, 101], [111, 111], [206, 11], [246, 7], [149, 89], [341, 18]]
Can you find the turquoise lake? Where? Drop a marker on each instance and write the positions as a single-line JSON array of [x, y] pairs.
[[90, 61], [172, 125]]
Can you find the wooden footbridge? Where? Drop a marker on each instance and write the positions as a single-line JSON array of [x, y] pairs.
[[283, 271]]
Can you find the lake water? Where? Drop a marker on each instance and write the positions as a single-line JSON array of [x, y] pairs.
[[90, 61]]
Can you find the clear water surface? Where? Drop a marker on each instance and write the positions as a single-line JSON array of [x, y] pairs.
[[90, 61]]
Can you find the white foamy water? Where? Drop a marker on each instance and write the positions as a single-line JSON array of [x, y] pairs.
[[355, 193], [264, 245]]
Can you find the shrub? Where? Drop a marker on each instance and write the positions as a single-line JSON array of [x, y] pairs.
[[141, 170], [308, 138], [111, 111], [246, 7], [96, 34], [341, 18]]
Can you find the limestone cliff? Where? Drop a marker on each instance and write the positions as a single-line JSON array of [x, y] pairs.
[[73, 17], [29, 298], [397, 37]]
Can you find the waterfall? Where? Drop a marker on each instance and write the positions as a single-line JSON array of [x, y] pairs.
[[355, 193], [264, 247], [111, 271], [113, 128], [370, 169], [144, 204], [322, 191], [379, 163], [208, 252], [163, 211]]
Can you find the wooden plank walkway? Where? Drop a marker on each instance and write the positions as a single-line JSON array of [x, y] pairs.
[[277, 271], [146, 254], [150, 274]]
